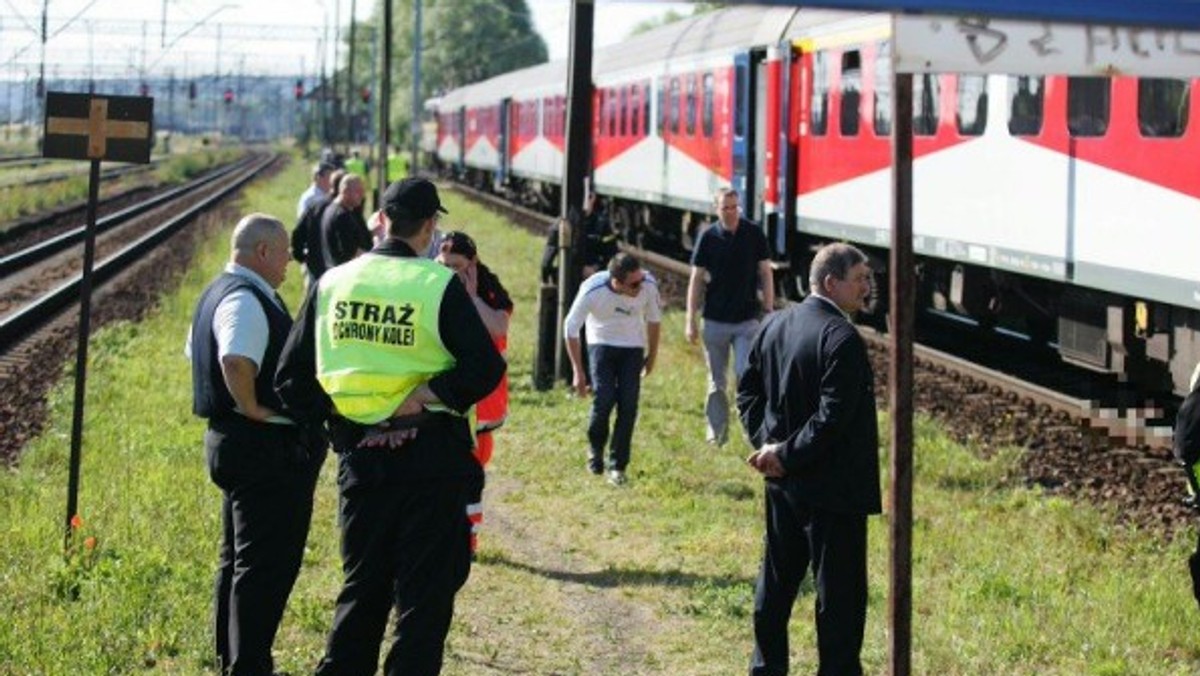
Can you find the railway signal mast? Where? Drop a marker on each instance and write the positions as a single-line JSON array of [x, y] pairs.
[[94, 128]]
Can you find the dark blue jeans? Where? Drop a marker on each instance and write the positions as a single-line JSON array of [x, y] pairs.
[[616, 382]]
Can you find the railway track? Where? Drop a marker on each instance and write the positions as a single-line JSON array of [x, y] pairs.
[[1115, 457], [133, 267], [111, 172], [39, 281]]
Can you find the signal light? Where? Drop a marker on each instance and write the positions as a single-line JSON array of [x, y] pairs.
[[192, 91], [228, 96], [365, 94], [299, 89]]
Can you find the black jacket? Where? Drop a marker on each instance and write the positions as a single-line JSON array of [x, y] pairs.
[[809, 384], [476, 372]]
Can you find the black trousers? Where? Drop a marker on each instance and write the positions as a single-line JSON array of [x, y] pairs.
[[836, 546], [267, 474], [617, 383], [405, 542]]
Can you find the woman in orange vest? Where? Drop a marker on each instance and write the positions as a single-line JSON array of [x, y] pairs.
[[458, 252]]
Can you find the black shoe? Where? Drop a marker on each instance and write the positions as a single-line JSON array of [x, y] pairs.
[[595, 464]]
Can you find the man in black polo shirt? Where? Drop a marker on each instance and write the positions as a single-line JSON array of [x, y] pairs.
[[731, 262], [344, 233]]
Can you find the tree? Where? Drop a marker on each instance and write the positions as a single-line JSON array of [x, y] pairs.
[[463, 41]]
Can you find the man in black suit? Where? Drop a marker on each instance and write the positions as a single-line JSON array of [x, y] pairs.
[[806, 399]]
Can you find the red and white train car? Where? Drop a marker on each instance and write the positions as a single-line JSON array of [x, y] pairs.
[[1067, 208]]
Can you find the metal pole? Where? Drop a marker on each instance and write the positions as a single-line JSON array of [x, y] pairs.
[[576, 163], [900, 379], [333, 83], [350, 77], [385, 91], [41, 83], [85, 320], [414, 127]]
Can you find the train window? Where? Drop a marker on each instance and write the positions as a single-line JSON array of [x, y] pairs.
[[706, 119], [1025, 105], [926, 93], [1162, 107], [612, 112], [971, 116], [1088, 100], [663, 108], [883, 90], [635, 110], [674, 104], [818, 115], [691, 105], [850, 112], [646, 107], [624, 111]]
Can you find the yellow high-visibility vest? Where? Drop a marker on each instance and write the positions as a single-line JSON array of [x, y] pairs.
[[377, 332]]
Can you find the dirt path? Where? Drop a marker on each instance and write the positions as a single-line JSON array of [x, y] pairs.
[[586, 623]]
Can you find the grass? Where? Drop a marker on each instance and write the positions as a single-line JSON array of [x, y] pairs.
[[18, 201], [574, 576]]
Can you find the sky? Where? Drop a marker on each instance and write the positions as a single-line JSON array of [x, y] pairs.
[[108, 38]]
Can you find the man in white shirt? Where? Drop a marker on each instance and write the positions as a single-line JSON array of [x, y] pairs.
[[319, 188], [621, 311], [265, 464]]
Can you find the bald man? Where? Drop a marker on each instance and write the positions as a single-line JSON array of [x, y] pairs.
[[344, 233], [264, 462]]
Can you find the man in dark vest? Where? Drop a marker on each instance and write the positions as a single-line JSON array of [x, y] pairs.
[[264, 463]]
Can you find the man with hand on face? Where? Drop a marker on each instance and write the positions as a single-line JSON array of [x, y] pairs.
[[390, 350], [457, 251], [807, 401]]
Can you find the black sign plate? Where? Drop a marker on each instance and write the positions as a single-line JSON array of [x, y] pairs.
[[98, 127]]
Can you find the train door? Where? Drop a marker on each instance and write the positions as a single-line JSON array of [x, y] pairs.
[[460, 132], [503, 141], [785, 167], [746, 163]]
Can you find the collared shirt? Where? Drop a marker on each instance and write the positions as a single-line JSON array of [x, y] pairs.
[[835, 306], [613, 318], [307, 198]]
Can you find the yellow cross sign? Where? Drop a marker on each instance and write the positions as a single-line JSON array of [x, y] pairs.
[[83, 126]]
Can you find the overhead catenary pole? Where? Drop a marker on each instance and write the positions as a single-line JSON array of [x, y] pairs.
[[900, 379], [576, 164], [414, 127], [385, 88], [350, 74]]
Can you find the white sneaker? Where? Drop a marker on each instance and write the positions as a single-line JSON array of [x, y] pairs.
[[616, 477]]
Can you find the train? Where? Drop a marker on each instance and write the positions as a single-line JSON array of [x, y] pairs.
[[1065, 209]]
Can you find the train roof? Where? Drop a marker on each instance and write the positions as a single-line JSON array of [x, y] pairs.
[[722, 31]]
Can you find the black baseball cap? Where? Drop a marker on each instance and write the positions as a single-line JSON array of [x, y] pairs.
[[412, 198]]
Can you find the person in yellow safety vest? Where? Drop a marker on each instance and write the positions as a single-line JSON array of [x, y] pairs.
[[397, 166], [356, 165], [458, 252], [389, 350]]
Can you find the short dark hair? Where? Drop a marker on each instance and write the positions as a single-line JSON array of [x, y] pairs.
[[833, 259], [404, 228], [622, 265]]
